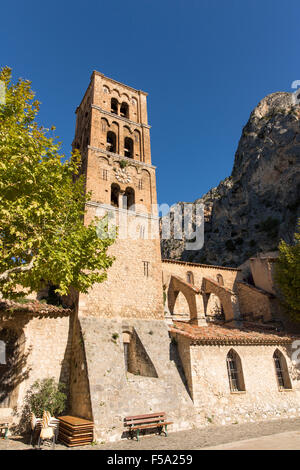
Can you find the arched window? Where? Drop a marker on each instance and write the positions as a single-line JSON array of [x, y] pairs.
[[114, 195], [129, 199], [124, 110], [126, 343], [128, 147], [281, 369], [190, 277], [220, 279], [235, 372], [111, 142], [114, 106]]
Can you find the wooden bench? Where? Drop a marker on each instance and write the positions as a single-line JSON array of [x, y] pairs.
[[140, 422], [4, 427]]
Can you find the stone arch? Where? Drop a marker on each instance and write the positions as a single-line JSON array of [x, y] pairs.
[[214, 307], [193, 297], [227, 298]]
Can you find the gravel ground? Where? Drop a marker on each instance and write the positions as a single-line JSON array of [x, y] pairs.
[[184, 440]]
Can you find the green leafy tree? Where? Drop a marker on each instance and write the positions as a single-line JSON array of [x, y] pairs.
[[287, 275], [42, 206]]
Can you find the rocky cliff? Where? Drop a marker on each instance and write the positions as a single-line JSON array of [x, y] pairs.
[[251, 210]]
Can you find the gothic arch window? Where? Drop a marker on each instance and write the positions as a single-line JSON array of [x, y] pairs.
[[220, 279], [129, 199], [114, 195], [111, 142], [190, 277], [128, 147], [114, 105], [235, 372], [124, 110], [281, 369]]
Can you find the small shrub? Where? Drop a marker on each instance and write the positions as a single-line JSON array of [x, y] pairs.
[[44, 394], [123, 164]]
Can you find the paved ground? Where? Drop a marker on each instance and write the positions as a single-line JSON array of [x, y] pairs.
[[280, 434], [283, 441]]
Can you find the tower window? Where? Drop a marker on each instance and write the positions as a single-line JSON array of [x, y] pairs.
[[114, 106], [114, 195], [140, 184], [146, 268], [111, 142], [282, 373], [124, 110], [235, 372], [128, 147], [220, 279]]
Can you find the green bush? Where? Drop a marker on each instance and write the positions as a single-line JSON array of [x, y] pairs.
[[287, 275], [47, 395]]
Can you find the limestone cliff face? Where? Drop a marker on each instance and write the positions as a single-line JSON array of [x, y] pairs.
[[259, 204]]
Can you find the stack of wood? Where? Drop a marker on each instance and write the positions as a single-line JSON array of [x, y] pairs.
[[75, 431]]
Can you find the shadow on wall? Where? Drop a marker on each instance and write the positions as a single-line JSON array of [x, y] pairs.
[[136, 358], [175, 357], [13, 366]]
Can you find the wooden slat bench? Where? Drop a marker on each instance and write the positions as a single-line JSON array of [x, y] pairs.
[[154, 420]]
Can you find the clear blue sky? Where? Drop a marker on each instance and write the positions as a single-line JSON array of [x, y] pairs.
[[204, 63]]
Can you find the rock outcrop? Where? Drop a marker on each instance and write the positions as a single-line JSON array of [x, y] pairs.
[[250, 211]]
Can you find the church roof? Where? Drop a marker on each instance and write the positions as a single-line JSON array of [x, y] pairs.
[[33, 307], [248, 333]]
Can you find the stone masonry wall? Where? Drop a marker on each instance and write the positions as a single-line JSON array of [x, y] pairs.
[[215, 403], [46, 350], [253, 301], [115, 394], [229, 275]]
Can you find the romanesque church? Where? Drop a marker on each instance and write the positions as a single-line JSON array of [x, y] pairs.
[[193, 340]]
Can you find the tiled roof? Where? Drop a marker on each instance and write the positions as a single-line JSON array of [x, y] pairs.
[[248, 333], [32, 307], [188, 263]]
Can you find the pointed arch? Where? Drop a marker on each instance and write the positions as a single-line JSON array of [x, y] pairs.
[[235, 372], [281, 370]]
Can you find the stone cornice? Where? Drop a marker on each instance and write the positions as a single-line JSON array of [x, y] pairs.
[[95, 72], [121, 157], [116, 116], [121, 211], [199, 265]]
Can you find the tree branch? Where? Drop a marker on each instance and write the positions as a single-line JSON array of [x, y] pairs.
[[18, 269]]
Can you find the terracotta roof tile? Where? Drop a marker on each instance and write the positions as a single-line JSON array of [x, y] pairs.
[[32, 307], [249, 333]]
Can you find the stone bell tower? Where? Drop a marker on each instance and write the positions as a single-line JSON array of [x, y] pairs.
[[120, 362], [113, 135]]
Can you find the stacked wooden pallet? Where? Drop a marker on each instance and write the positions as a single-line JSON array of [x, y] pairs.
[[75, 431]]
